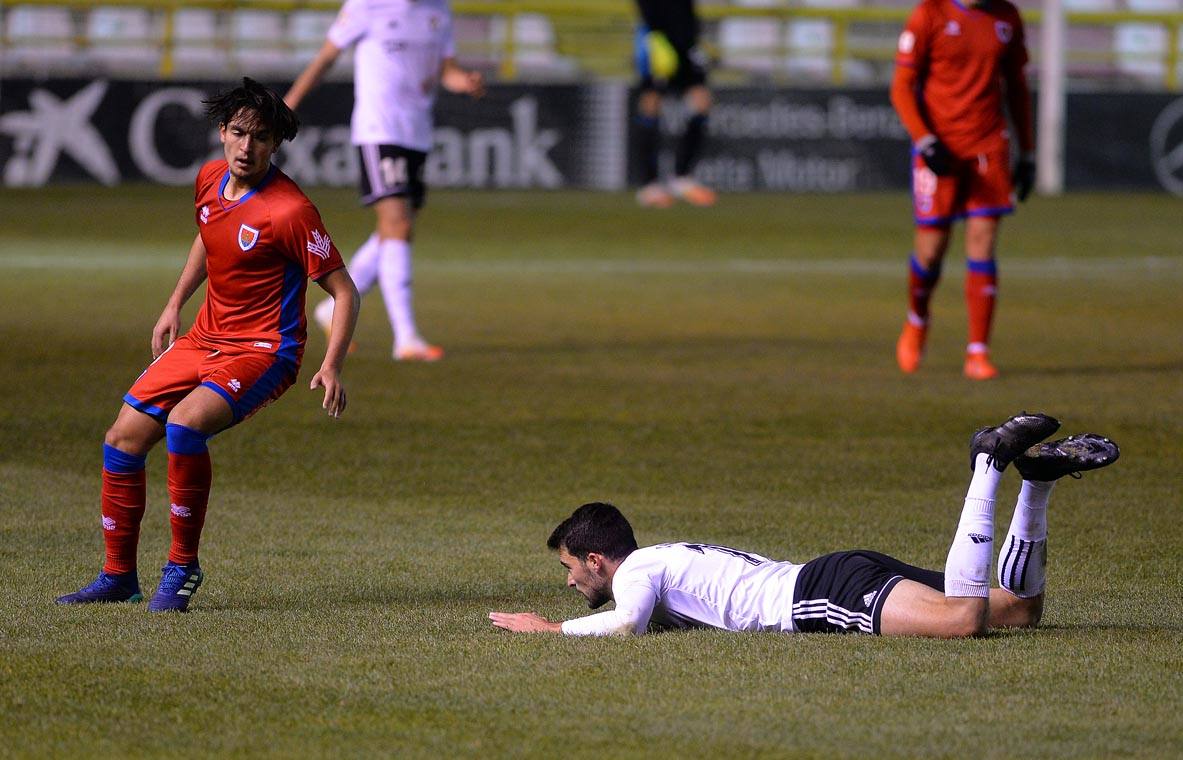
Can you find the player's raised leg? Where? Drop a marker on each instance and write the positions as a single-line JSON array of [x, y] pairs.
[[981, 288], [924, 272], [1022, 557], [964, 609], [125, 450]]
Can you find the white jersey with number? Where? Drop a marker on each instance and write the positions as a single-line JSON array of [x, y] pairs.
[[695, 586], [401, 45]]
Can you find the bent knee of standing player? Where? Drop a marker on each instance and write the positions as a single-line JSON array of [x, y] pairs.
[[133, 432]]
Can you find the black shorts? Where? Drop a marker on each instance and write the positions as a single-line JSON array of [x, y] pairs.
[[392, 171], [844, 592], [691, 70]]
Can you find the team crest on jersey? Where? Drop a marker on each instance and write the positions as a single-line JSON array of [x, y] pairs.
[[1004, 31], [247, 237], [953, 29]]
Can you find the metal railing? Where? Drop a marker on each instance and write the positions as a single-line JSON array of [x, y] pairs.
[[593, 39]]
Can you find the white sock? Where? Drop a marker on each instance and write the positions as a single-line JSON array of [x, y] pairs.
[[363, 268], [394, 277], [967, 569], [1022, 559]]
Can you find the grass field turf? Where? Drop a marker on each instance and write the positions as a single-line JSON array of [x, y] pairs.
[[724, 376]]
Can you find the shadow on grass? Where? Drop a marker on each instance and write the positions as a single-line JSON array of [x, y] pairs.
[[522, 597], [1128, 368], [1074, 628]]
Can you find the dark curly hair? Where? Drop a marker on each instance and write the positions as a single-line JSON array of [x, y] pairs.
[[597, 527], [265, 106]]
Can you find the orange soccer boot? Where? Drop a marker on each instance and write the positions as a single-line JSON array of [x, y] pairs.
[[909, 349], [979, 367], [654, 195], [418, 352], [694, 193]]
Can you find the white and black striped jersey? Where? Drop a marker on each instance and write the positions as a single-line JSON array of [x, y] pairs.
[[686, 585], [401, 45]]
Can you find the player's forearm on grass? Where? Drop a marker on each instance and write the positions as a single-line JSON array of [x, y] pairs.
[[906, 100], [312, 74], [634, 608], [615, 622]]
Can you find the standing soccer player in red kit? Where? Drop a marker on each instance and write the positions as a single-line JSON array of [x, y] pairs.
[[259, 240], [955, 67]]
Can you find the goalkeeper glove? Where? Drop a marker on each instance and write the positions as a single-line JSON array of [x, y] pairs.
[[1023, 176], [935, 155]]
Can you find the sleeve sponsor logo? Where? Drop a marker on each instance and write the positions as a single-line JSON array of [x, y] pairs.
[[907, 42], [320, 245]]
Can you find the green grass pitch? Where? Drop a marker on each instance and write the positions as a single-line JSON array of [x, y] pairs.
[[724, 375]]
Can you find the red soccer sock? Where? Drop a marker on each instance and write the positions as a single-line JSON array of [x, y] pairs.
[[981, 285], [189, 476], [123, 497], [921, 283]]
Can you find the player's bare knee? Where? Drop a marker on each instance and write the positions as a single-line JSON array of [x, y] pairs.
[[127, 439]]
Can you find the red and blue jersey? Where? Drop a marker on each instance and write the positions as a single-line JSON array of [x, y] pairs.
[[959, 55], [261, 251]]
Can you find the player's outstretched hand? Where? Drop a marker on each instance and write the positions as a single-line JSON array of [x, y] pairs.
[[328, 379], [464, 82], [165, 331], [935, 155], [524, 622], [1024, 177]]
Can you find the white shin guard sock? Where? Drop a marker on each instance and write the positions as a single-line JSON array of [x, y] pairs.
[[1022, 558], [394, 277], [967, 569], [363, 267]]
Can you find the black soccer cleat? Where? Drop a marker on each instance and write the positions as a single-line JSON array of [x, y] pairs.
[[1068, 456], [1010, 439]]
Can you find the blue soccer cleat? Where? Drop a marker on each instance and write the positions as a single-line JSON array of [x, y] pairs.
[[107, 588], [177, 585]]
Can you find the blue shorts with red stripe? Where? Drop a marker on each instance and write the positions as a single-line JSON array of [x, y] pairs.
[[248, 381]]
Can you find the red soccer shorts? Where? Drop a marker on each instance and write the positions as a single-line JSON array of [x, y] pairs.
[[978, 186], [248, 381]]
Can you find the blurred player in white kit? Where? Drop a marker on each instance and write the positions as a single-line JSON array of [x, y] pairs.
[[404, 53]]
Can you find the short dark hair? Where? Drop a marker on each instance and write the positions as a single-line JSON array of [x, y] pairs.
[[597, 527], [268, 108]]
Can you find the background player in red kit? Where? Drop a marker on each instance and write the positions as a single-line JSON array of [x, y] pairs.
[[259, 240], [955, 66]]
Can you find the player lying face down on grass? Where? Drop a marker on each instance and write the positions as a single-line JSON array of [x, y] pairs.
[[690, 585], [259, 240]]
